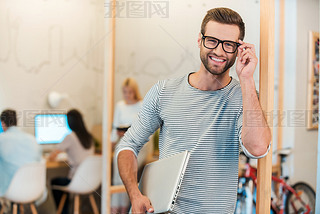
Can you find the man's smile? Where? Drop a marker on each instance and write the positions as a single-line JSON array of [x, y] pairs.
[[217, 60]]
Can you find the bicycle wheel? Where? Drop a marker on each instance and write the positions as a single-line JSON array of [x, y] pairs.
[[307, 195]]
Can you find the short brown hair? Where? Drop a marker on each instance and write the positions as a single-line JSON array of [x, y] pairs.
[[224, 16], [9, 117]]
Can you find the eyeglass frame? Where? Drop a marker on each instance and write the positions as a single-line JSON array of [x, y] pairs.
[[219, 41]]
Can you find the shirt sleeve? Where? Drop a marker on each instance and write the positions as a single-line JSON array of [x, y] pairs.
[[239, 129], [146, 124], [65, 144]]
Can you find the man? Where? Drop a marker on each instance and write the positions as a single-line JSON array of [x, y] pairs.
[[16, 149], [207, 113]]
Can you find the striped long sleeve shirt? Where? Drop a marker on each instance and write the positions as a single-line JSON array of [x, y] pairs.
[[208, 124]]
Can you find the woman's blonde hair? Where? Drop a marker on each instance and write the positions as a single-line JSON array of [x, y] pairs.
[[130, 82]]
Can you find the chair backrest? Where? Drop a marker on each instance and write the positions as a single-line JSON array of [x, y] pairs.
[[88, 176], [27, 184]]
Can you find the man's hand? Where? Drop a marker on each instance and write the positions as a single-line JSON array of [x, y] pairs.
[[141, 204], [247, 60], [128, 169], [256, 136]]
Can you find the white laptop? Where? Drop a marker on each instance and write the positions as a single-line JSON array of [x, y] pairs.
[[161, 180]]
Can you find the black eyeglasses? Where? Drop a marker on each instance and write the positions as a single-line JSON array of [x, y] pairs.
[[212, 43]]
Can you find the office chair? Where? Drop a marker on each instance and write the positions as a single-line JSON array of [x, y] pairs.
[[85, 181], [27, 185]]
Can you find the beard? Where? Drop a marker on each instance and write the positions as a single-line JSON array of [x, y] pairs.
[[214, 69]]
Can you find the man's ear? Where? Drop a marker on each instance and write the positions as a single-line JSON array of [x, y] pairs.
[[199, 40]]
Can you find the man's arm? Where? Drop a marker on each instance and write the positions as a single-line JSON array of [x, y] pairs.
[[256, 135], [128, 169], [147, 123]]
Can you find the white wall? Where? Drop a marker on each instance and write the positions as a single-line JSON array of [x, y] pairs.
[[289, 97], [306, 141], [51, 46], [151, 49], [301, 16]]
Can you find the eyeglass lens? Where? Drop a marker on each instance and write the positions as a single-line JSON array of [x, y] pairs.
[[227, 46]]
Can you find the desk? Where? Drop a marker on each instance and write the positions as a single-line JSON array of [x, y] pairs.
[[61, 161], [56, 164]]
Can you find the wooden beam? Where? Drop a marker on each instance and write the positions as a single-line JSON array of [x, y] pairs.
[[108, 107], [281, 76], [117, 189], [266, 99]]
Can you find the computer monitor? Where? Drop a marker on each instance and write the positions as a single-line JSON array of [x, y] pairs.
[[1, 129], [51, 128]]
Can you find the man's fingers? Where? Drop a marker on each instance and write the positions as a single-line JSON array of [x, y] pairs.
[[247, 54], [142, 205], [246, 46], [248, 58], [247, 51], [149, 208]]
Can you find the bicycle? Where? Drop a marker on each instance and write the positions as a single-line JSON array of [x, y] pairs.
[[296, 199]]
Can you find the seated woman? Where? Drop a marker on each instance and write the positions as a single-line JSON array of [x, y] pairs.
[[78, 145]]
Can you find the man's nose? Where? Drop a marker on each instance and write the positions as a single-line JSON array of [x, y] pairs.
[[219, 50]]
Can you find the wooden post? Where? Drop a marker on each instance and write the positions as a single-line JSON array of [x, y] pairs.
[[108, 107], [110, 97], [266, 99], [281, 77]]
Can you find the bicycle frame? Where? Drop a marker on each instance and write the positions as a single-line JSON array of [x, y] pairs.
[[251, 172]]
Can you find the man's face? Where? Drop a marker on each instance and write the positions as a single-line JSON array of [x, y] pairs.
[[217, 61]]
